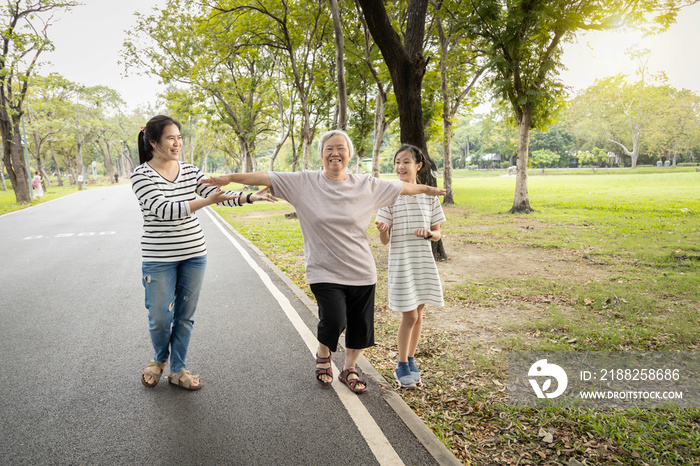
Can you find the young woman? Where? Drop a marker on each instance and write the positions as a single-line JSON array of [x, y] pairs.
[[173, 248], [410, 224]]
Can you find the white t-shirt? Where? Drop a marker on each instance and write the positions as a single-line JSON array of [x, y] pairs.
[[334, 217]]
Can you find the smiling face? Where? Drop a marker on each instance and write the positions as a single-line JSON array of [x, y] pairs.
[[336, 156], [406, 166], [169, 146]]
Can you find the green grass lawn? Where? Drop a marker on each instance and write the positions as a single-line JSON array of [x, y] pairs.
[[639, 228]]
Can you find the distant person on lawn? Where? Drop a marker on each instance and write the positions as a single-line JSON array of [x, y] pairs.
[[36, 184]]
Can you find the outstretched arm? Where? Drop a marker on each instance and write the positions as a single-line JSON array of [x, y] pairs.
[[410, 189], [251, 179], [218, 196]]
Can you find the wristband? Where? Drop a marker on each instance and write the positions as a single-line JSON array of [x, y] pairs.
[[247, 199]]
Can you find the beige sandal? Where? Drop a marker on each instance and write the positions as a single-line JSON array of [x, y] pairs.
[[185, 380], [149, 371]]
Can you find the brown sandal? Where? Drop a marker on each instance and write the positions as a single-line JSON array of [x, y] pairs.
[[149, 371], [352, 383], [185, 380], [325, 371]]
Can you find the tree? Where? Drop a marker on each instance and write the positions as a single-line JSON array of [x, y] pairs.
[[636, 117], [407, 66], [211, 55], [406, 63], [525, 40], [677, 124], [24, 37], [365, 51], [339, 64], [543, 158], [460, 66], [557, 139], [298, 30], [595, 158], [47, 106]]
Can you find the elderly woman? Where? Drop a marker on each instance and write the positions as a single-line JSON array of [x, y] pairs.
[[335, 208]]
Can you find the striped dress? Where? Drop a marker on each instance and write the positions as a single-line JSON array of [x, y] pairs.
[[413, 274], [171, 232]]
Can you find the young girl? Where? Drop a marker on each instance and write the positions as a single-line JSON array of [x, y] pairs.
[[410, 224]]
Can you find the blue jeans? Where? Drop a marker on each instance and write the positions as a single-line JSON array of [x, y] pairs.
[[172, 292]]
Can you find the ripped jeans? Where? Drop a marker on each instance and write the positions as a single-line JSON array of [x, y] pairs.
[[172, 292]]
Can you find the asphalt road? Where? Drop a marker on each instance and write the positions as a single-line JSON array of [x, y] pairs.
[[75, 339]]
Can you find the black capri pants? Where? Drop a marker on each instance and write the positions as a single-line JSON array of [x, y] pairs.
[[345, 307]]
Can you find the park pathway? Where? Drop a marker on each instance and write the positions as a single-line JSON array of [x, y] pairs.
[[75, 339]]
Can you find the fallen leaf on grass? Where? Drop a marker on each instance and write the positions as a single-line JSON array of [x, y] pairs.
[[546, 436]]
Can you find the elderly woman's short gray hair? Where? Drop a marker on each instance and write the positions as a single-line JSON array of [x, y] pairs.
[[334, 132]]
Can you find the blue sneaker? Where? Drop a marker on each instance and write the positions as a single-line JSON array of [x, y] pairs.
[[414, 370], [403, 376]]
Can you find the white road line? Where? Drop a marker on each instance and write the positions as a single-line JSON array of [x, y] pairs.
[[373, 435]]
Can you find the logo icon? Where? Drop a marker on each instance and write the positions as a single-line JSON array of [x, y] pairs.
[[544, 369]]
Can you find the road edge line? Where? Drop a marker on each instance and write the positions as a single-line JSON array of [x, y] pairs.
[[381, 447], [425, 436]]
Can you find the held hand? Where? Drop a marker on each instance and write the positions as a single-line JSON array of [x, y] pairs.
[[220, 196], [381, 226], [433, 191], [423, 233], [216, 181], [263, 195]]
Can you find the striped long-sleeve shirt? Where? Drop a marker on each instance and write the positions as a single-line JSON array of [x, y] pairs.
[[171, 232]]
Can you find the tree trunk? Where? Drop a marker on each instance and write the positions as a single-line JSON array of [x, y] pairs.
[[379, 129], [78, 174], [467, 151], [306, 142], [446, 118], [406, 64], [56, 165], [3, 185], [339, 49], [109, 164], [133, 158], [447, 164], [360, 155], [45, 179], [21, 170], [521, 203], [278, 146], [635, 148], [14, 162]]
